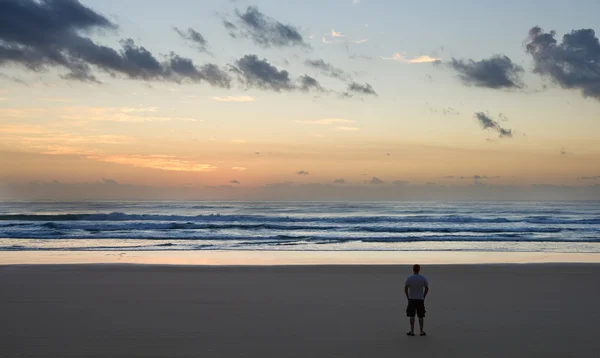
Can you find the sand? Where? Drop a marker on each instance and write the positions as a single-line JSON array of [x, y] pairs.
[[532, 310]]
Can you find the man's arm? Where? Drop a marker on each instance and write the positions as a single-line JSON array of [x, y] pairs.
[[406, 291], [426, 291]]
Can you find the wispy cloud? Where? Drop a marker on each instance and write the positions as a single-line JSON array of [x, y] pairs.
[[266, 31], [338, 37], [162, 162], [302, 172], [239, 169], [234, 99], [125, 114], [347, 129], [487, 122], [328, 121], [361, 89], [193, 37], [335, 34], [328, 69], [420, 59]]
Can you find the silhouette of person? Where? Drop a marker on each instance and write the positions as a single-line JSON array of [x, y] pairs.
[[416, 288]]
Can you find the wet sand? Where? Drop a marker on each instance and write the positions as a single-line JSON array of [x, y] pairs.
[[113, 310]]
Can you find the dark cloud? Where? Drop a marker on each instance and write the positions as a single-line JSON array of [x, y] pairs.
[[376, 180], [302, 172], [401, 182], [211, 73], [361, 89], [265, 31], [496, 72], [234, 182], [228, 25], [573, 64], [328, 69], [449, 177], [339, 181], [487, 122], [260, 73], [194, 37], [40, 35], [308, 83], [597, 177]]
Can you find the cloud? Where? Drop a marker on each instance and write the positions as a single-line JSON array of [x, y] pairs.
[[123, 114], [328, 69], [573, 63], [261, 74], [597, 177], [449, 177], [339, 181], [497, 72], [194, 37], [338, 37], [308, 83], [267, 32], [376, 181], [361, 89], [336, 34], [447, 111], [487, 122], [234, 99], [347, 129], [39, 35], [563, 151], [328, 121], [234, 182], [420, 59], [302, 172], [257, 73], [162, 162], [239, 169]]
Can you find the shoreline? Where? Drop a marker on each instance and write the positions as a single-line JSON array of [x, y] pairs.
[[289, 258]]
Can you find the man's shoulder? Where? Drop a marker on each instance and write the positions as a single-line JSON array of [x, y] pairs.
[[416, 277]]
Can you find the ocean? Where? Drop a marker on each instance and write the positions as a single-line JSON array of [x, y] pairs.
[[301, 226]]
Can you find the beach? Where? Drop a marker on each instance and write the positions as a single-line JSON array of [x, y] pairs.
[[133, 310]]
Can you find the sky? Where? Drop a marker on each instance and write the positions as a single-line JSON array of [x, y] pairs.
[[268, 100]]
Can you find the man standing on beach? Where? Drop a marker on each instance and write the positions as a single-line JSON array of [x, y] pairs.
[[416, 289]]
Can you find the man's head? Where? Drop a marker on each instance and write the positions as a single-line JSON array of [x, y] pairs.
[[416, 268]]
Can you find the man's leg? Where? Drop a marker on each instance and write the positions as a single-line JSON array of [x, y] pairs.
[[410, 313], [421, 314]]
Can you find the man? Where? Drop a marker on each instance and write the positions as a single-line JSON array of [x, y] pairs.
[[416, 289]]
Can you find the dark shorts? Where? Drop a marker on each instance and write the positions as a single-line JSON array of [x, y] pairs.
[[415, 306]]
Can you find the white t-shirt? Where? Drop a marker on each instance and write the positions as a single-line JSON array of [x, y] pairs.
[[416, 286]]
